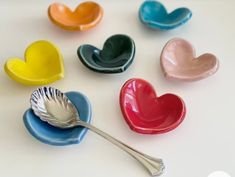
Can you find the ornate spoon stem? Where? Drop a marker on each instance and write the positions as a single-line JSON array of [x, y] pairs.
[[154, 166]]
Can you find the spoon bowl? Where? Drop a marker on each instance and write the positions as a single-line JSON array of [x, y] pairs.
[[54, 107]]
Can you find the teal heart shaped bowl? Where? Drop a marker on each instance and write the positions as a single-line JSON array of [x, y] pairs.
[[49, 134], [154, 15], [116, 56]]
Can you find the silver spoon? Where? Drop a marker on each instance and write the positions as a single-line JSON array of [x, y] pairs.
[[53, 106]]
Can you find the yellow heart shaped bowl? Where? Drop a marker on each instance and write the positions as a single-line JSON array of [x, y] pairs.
[[43, 65]]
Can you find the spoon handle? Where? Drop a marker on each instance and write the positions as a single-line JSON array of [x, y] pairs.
[[153, 165]]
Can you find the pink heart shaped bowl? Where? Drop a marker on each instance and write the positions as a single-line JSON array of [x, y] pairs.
[[179, 62]]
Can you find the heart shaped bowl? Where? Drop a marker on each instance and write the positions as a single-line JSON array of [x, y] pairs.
[[86, 16], [49, 134], [178, 62], [116, 56], [154, 15], [146, 113], [43, 65]]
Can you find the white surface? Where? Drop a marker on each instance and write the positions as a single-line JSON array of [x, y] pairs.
[[202, 144], [219, 174]]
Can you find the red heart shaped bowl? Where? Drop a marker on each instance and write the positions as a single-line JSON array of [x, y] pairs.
[[146, 113]]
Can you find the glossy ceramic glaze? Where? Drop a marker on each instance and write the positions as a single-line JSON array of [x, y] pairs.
[[116, 56], [147, 113], [87, 15], [154, 15], [178, 61], [49, 134], [43, 65]]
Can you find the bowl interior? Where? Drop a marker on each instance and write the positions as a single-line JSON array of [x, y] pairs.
[[116, 51], [153, 11]]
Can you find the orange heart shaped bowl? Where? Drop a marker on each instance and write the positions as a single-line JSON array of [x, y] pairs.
[[86, 16]]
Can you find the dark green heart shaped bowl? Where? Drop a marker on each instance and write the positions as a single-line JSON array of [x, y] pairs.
[[116, 56]]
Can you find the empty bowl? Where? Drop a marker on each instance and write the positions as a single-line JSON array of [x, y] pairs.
[[179, 62], [154, 15], [86, 16], [147, 113], [43, 65], [116, 56]]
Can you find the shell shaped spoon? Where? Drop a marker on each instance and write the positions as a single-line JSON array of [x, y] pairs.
[[53, 106]]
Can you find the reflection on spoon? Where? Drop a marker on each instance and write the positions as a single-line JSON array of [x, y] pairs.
[[53, 106]]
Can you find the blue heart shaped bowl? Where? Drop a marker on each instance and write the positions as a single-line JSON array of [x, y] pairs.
[[154, 15], [49, 134]]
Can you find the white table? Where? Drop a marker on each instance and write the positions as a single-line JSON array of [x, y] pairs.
[[203, 143]]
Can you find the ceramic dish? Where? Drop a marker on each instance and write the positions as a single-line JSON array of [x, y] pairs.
[[43, 65], [154, 15], [116, 56], [147, 113], [179, 62], [87, 15], [49, 134]]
